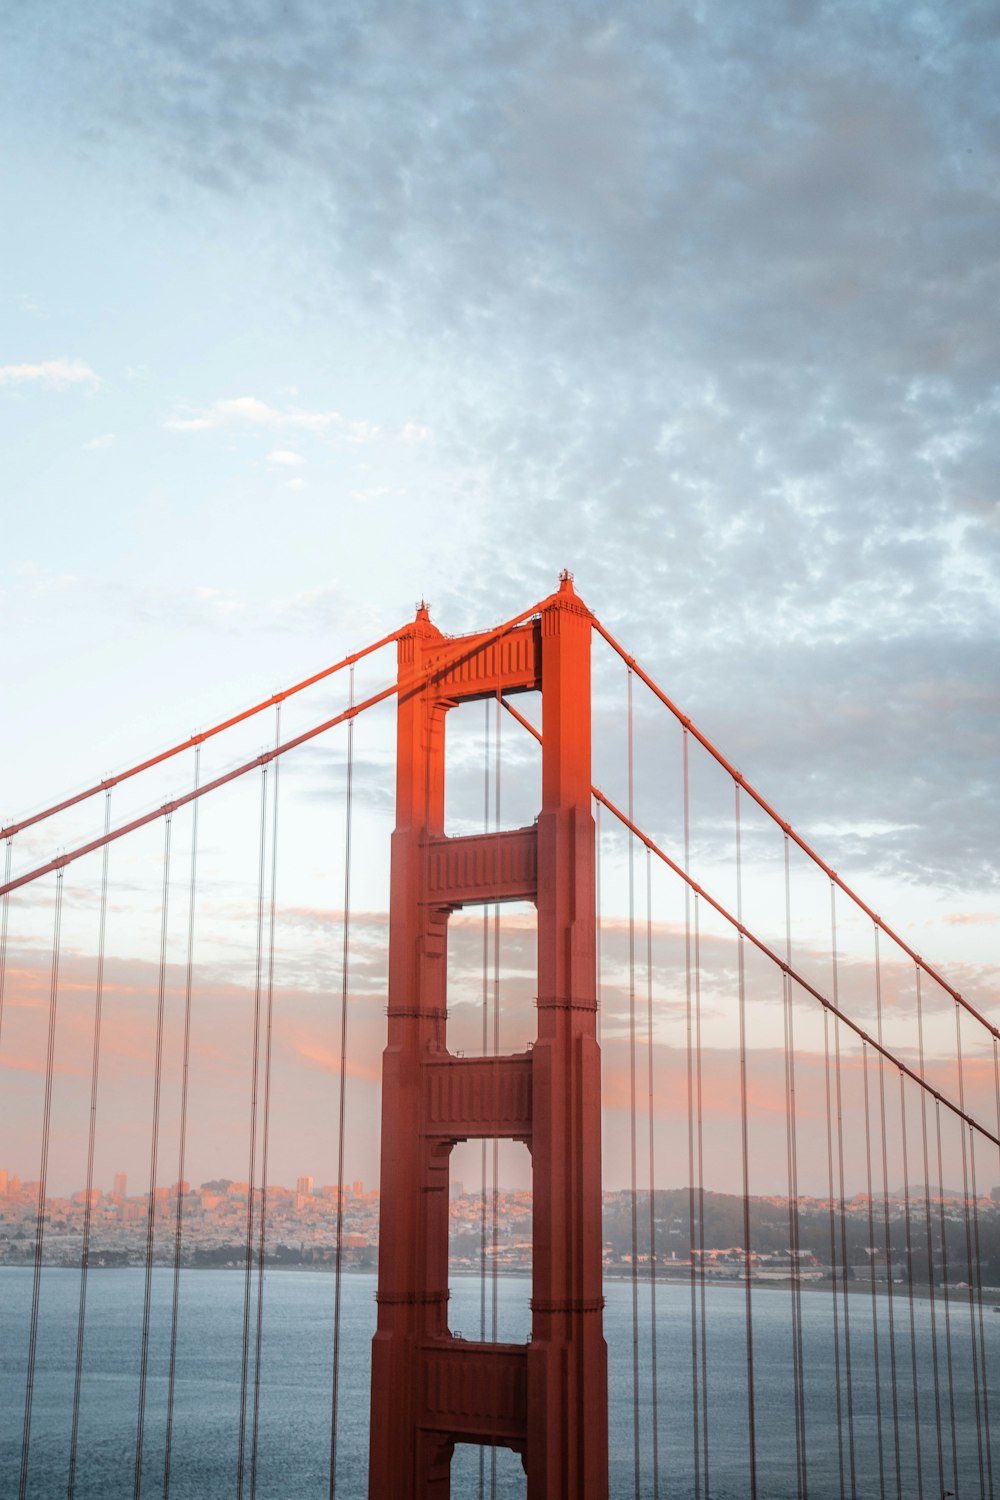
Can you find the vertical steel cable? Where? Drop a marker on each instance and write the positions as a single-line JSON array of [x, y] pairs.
[[252, 1169], [947, 1299], [831, 1199], [36, 1281], [693, 1226], [791, 1148], [909, 1285], [495, 1220], [652, 1176], [485, 1047], [147, 1301], [978, 1264], [745, 1157], [95, 1066], [597, 915], [266, 1123], [4, 919], [932, 1296], [970, 1274], [871, 1274], [887, 1226], [702, 1307], [633, 1179], [182, 1137], [345, 969], [842, 1208]]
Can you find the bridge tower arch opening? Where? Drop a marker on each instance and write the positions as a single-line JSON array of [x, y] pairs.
[[547, 1399]]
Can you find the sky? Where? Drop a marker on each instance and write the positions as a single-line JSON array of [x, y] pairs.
[[309, 312]]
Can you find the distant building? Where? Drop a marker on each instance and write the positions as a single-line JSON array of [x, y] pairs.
[[304, 1186], [120, 1188]]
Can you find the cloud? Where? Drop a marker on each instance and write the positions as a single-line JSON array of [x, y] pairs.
[[285, 456], [105, 440], [57, 374], [249, 411]]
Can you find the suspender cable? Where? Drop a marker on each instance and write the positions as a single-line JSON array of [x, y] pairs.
[[791, 1147], [266, 1122], [876, 1366], [487, 709], [195, 740], [769, 953], [597, 922], [931, 1274], [438, 671], [252, 1169], [495, 1218], [4, 919], [693, 1204], [633, 1182], [95, 1065], [259, 761], [969, 1271], [887, 1228], [36, 1281], [702, 1307], [745, 1157], [181, 1138], [652, 1177], [917, 1431], [984, 1446], [831, 1200], [771, 813], [345, 977], [842, 1209], [947, 1300], [147, 1301]]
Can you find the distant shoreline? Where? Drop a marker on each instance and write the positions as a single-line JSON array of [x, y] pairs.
[[855, 1288]]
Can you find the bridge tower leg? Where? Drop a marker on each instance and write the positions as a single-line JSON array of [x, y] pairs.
[[548, 1399]]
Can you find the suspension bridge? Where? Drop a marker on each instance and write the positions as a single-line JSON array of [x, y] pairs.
[[800, 1114]]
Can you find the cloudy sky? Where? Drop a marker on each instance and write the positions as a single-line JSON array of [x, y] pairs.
[[309, 311]]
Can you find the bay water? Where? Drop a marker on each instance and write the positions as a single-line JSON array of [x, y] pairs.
[[930, 1395]]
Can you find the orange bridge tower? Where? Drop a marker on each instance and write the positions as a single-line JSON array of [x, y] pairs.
[[546, 1399]]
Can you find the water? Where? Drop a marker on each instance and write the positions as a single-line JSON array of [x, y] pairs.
[[294, 1433]]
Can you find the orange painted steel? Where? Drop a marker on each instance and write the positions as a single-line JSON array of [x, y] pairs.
[[796, 838], [762, 947], [547, 1400], [195, 739]]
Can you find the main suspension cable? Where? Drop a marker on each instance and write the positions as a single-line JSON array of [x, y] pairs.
[[195, 740], [766, 807], [769, 953], [164, 811]]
